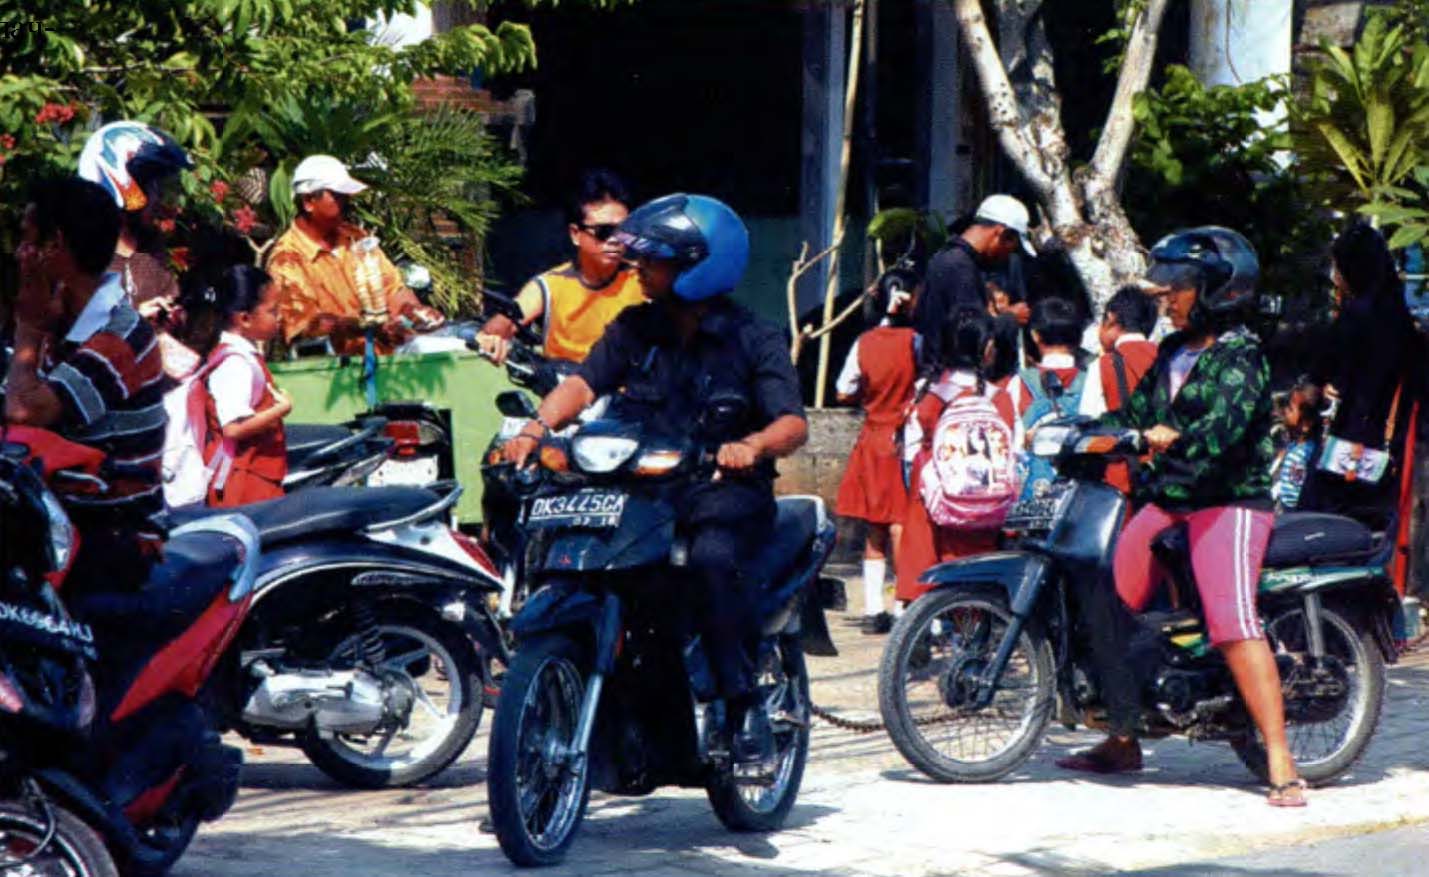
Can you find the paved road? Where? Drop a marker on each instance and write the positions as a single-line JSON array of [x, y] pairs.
[[1401, 851], [863, 811]]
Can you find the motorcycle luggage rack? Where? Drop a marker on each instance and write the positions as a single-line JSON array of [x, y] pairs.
[[431, 511]]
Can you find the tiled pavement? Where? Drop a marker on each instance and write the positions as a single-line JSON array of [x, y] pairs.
[[863, 810]]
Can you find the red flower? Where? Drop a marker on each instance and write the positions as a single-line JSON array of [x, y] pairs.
[[7, 141], [219, 189], [179, 258], [244, 218], [165, 225], [52, 112]]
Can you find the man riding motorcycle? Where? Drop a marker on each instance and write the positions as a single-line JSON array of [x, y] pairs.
[[1204, 409], [668, 358], [87, 366]]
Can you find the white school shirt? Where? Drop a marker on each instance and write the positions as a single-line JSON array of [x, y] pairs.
[[231, 384]]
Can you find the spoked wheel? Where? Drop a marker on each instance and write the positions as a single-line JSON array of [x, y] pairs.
[[1331, 710], [929, 678], [435, 676], [49, 841], [762, 802], [536, 789]]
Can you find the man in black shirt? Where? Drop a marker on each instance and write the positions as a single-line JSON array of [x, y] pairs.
[[954, 281], [668, 359]]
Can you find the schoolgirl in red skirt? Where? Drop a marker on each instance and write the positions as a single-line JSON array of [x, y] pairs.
[[968, 352], [879, 374]]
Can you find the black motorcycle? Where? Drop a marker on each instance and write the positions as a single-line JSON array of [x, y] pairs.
[[370, 640], [608, 689], [974, 670], [397, 443]]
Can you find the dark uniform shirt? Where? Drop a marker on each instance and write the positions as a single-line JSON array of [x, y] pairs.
[[668, 385], [954, 282]]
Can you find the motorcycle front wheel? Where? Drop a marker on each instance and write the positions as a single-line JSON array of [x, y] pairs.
[[1329, 733], [442, 667], [536, 791], [929, 674], [73, 849], [763, 803]]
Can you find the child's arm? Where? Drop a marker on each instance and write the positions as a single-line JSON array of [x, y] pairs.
[[849, 384], [256, 424]]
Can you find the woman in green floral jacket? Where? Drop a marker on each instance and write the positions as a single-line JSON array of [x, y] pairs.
[[1204, 408]]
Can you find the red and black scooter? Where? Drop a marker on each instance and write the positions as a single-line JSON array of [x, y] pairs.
[[107, 753]]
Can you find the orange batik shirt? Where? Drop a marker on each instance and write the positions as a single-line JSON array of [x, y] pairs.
[[313, 280]]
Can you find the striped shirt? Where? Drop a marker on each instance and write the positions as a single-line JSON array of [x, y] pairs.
[[108, 374]]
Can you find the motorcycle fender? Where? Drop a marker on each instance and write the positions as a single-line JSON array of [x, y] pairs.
[[1020, 574], [814, 627], [556, 606]]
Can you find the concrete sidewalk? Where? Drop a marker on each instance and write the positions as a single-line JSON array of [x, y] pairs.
[[863, 810]]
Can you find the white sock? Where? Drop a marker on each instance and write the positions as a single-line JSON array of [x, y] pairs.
[[873, 571], [898, 607]]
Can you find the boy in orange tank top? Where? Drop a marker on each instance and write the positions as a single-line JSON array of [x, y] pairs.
[[576, 300]]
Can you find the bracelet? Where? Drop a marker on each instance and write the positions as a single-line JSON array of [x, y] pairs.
[[526, 435]]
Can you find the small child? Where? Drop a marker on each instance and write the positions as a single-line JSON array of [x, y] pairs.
[[879, 373], [245, 446], [1301, 420]]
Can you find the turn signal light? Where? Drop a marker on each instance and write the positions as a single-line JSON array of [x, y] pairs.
[[554, 459]]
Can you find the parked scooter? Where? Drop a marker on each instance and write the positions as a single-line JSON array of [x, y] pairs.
[[107, 745], [608, 690], [370, 638], [974, 669], [396, 443]]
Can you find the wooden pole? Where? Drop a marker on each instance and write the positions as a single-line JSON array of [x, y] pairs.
[[831, 289]]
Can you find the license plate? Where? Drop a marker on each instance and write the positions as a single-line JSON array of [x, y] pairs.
[[415, 472], [584, 508]]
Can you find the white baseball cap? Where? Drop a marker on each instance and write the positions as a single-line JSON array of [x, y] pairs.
[[318, 172], [1006, 211]]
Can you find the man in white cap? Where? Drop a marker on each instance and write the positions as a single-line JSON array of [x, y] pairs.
[[332, 277], [954, 278]]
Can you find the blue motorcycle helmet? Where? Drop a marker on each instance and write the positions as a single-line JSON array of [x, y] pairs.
[[702, 234]]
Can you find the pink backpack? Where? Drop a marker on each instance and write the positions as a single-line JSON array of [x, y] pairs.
[[970, 481]]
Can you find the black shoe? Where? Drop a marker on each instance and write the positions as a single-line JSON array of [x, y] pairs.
[[753, 743], [873, 625]]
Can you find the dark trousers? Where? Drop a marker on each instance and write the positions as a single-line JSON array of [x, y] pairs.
[[726, 523], [1123, 652]]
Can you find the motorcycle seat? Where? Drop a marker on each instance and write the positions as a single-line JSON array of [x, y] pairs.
[[796, 521], [195, 568], [304, 438], [1308, 538], [1299, 539], [320, 510]]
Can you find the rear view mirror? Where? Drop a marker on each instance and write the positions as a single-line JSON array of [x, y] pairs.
[[515, 404]]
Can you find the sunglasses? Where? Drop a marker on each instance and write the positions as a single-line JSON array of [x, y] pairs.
[[601, 231]]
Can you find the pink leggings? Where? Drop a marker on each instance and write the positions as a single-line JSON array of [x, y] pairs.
[[1227, 546]]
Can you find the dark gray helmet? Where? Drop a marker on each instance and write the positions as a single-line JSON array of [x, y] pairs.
[[1227, 263]]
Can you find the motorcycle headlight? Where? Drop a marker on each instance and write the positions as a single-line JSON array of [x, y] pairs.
[[61, 531], [1048, 440], [602, 453]]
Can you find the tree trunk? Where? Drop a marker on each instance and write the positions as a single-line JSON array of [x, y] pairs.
[[1082, 210]]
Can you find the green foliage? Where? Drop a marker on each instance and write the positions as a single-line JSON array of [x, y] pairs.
[[1364, 128], [896, 228], [1205, 156], [225, 76], [1127, 11]]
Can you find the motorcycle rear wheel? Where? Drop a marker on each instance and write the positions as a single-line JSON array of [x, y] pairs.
[[75, 850], [933, 656], [784, 680], [446, 651], [1323, 751], [537, 803]]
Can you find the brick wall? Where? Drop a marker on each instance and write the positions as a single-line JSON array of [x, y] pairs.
[[439, 90]]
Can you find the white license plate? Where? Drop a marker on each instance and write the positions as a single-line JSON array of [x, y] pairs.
[[415, 472], [584, 508]]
